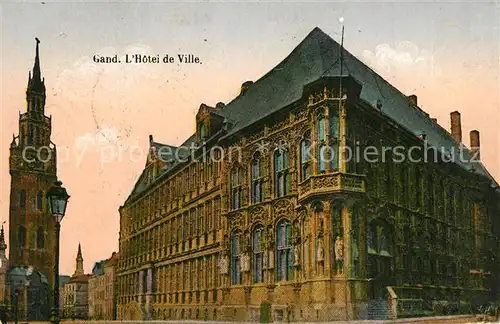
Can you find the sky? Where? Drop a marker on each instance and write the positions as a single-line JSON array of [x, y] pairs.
[[447, 53]]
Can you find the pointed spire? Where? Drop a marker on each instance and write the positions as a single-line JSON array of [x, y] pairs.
[[35, 81], [79, 254], [36, 67], [79, 262], [3, 246]]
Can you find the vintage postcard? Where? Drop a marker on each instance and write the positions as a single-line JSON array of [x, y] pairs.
[[264, 161]]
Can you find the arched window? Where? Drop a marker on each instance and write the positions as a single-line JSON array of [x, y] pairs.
[[258, 253], [333, 120], [451, 204], [35, 135], [40, 238], [235, 259], [39, 200], [305, 156], [379, 239], [281, 170], [284, 263], [418, 188], [372, 238], [322, 157], [384, 241], [430, 193], [30, 135], [404, 184], [257, 178], [389, 176], [236, 183], [203, 129], [321, 125], [21, 236], [22, 199]]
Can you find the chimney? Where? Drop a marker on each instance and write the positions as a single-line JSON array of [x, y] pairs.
[[434, 120], [474, 144], [413, 99], [456, 127]]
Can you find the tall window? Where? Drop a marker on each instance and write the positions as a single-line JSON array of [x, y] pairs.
[[284, 268], [39, 200], [22, 199], [418, 188], [430, 193], [30, 135], [21, 236], [389, 176], [236, 183], [404, 184], [258, 254], [203, 131], [40, 239], [333, 130], [322, 157], [305, 156], [379, 239], [281, 169], [320, 125], [235, 259], [257, 178]]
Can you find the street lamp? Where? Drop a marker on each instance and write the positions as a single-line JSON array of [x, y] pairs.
[[58, 200]]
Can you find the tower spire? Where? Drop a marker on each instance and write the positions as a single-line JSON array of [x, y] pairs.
[[36, 66], [79, 262], [35, 81], [3, 246]]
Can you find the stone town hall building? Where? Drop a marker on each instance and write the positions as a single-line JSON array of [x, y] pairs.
[[267, 229]]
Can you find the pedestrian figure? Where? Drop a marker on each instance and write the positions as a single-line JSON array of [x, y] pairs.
[[3, 315]]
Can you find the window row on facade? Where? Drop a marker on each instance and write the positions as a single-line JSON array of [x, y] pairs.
[[174, 283], [169, 194], [176, 234]]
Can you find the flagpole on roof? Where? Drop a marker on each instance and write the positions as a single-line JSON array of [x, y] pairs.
[[341, 20]]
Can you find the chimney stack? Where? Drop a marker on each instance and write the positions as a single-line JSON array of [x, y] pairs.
[[456, 127], [434, 120], [474, 143], [413, 99]]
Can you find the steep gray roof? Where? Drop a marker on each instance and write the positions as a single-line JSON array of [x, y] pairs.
[[318, 56]]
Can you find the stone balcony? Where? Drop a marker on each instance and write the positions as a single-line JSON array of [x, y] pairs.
[[331, 183]]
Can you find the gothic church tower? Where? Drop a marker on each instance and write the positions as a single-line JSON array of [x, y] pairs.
[[32, 165]]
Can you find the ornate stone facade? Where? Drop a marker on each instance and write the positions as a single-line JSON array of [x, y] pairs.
[[265, 222]]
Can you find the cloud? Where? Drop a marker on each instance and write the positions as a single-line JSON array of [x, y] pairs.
[[406, 58]]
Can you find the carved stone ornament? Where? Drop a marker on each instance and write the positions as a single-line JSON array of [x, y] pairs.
[[245, 262], [223, 265], [296, 255], [258, 214], [339, 249], [270, 264], [236, 220], [283, 208], [321, 250]]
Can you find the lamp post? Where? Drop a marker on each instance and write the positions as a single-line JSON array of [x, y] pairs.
[[58, 199]]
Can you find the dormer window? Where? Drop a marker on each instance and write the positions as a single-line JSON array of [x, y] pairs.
[[203, 131]]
